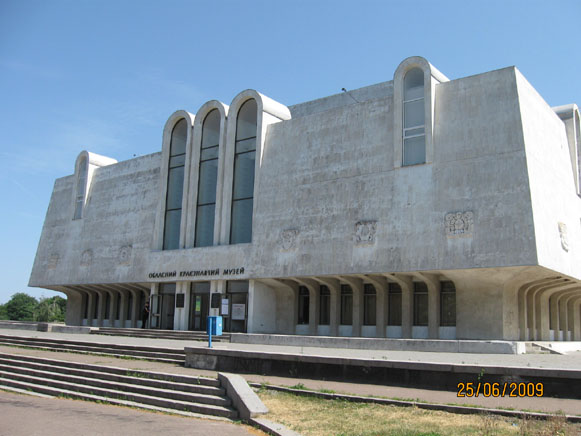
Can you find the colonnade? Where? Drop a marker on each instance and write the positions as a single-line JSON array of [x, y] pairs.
[[549, 309]]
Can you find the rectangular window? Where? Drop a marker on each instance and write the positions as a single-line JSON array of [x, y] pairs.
[[324, 305], [448, 304], [420, 304], [394, 304], [303, 305], [346, 305], [369, 303]]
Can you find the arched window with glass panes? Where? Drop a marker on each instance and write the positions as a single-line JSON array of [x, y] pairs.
[[175, 186], [208, 177], [244, 166], [414, 134]]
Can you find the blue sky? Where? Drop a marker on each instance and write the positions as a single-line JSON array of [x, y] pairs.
[[105, 75]]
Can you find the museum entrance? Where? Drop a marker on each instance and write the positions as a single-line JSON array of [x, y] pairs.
[[163, 307], [235, 307], [199, 304]]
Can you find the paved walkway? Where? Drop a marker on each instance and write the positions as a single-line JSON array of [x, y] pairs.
[[24, 415], [568, 406], [568, 361]]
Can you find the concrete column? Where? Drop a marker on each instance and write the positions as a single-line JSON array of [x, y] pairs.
[[74, 314], [123, 307], [357, 287], [101, 308], [407, 289], [91, 301], [433, 284], [134, 309], [113, 308], [574, 317], [180, 314], [577, 320]]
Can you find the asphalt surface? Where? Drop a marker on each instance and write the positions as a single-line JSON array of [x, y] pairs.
[[25, 415]]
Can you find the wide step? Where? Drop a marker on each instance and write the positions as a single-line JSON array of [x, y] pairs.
[[158, 390]]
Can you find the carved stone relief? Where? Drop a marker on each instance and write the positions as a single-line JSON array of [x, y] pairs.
[[564, 236], [459, 224], [125, 255], [86, 257], [53, 261], [365, 232], [288, 239]]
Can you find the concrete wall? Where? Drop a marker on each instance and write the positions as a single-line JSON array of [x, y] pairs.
[[111, 243], [552, 183]]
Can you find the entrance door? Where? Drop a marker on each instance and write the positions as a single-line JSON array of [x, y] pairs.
[[168, 303], [199, 304], [237, 319]]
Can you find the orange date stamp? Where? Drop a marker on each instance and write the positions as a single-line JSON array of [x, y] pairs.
[[506, 389]]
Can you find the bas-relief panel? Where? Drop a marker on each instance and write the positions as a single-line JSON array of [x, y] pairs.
[[459, 224]]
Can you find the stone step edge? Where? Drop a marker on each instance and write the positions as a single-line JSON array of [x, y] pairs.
[[113, 401], [113, 377], [429, 406], [133, 388], [94, 352], [220, 410], [186, 379], [97, 345]]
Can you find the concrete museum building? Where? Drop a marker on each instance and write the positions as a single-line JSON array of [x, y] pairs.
[[421, 207]]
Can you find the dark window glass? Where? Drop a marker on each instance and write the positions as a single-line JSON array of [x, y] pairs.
[[324, 306], [208, 176], [244, 168], [394, 305], [346, 305], [129, 306], [107, 305], [414, 140], [420, 304], [303, 305], [85, 302], [246, 122], [447, 304], [175, 186], [369, 302], [96, 308], [118, 308]]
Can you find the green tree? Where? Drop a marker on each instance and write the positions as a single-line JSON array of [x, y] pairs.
[[3, 314], [21, 307], [51, 309]]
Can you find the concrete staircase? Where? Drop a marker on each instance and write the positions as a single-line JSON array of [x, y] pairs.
[[533, 348], [165, 355], [159, 334], [148, 390]]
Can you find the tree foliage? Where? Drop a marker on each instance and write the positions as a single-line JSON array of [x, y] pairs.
[[23, 307], [51, 309]]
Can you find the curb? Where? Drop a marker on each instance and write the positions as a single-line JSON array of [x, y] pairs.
[[272, 427], [429, 406]]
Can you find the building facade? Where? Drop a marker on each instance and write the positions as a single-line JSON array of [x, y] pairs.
[[421, 207]]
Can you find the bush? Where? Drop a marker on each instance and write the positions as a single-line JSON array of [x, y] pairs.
[[21, 307]]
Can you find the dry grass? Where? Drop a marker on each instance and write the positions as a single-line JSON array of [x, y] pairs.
[[319, 417]]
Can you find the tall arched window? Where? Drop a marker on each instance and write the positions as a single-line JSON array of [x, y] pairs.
[[243, 185], [175, 186], [81, 189], [206, 205], [414, 137]]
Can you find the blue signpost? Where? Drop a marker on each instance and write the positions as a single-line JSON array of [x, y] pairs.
[[213, 327]]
